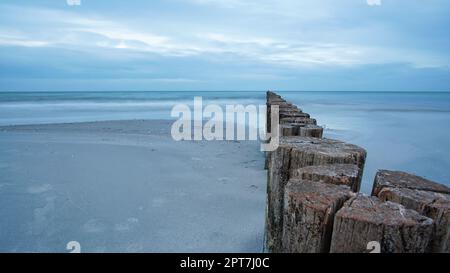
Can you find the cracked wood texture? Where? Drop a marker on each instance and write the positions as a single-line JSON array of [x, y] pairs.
[[294, 153], [426, 197], [339, 174], [363, 219], [309, 208], [398, 179]]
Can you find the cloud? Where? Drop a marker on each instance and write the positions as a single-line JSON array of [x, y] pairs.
[[73, 2], [22, 42], [280, 52], [300, 46], [223, 3], [91, 34], [374, 2], [201, 41], [282, 9]]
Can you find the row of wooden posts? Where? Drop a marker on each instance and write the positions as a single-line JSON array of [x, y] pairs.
[[313, 204]]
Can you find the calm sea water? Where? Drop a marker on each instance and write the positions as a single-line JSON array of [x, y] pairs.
[[54, 107], [404, 131]]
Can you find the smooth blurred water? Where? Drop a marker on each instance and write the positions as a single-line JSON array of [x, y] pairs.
[[400, 130], [57, 107]]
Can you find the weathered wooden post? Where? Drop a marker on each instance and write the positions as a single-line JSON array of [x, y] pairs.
[[293, 122], [338, 174], [294, 153], [424, 196], [309, 208], [364, 219], [310, 130]]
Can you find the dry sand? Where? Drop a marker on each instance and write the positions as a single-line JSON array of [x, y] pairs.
[[126, 186]]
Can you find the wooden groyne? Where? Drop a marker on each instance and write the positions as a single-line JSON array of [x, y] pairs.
[[313, 204]]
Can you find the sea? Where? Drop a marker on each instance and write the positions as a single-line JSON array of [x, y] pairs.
[[406, 131]]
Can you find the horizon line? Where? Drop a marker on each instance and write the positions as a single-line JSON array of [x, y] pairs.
[[273, 90]]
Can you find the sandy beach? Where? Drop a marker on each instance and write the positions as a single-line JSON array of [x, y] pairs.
[[126, 186]]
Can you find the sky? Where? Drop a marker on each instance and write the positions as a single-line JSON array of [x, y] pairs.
[[316, 45]]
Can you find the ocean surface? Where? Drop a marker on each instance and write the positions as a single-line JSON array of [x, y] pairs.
[[400, 130]]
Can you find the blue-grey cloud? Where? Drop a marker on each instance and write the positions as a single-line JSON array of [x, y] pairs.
[[233, 44]]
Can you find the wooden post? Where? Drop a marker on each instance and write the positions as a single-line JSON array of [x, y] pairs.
[[424, 196], [293, 122], [310, 130], [293, 114], [298, 120], [309, 208], [365, 219], [397, 179], [294, 153], [338, 174]]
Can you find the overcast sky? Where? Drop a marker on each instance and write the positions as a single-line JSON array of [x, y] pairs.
[[362, 45]]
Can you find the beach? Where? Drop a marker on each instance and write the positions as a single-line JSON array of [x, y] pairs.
[[126, 186], [101, 168]]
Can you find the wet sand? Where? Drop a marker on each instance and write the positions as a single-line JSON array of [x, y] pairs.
[[126, 186]]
